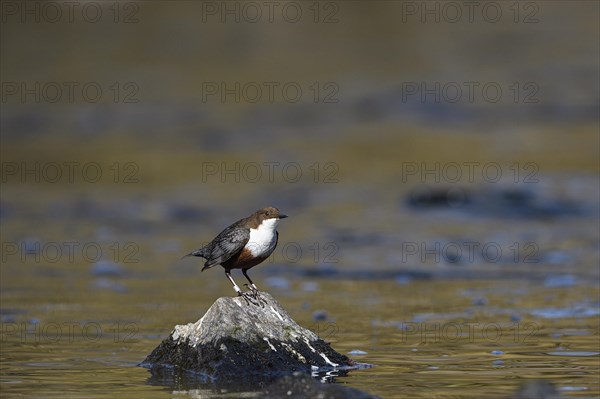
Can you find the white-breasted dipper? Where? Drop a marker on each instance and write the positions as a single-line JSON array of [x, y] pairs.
[[243, 245]]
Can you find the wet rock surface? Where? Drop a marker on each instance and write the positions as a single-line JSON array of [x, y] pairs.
[[238, 340]]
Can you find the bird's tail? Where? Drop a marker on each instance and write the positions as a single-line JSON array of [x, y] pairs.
[[199, 252], [208, 266]]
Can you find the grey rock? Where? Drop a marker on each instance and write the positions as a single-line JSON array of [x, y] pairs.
[[237, 341]]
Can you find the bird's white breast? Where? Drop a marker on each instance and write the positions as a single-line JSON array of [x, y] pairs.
[[263, 239]]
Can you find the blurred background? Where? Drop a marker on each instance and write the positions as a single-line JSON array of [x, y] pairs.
[[439, 162]]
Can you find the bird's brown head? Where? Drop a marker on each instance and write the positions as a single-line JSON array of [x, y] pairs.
[[269, 213]]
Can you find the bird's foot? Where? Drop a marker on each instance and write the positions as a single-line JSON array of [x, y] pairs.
[[246, 297], [251, 298], [253, 294], [253, 290]]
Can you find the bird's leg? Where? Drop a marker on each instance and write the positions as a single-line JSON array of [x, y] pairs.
[[247, 297], [235, 286], [252, 287]]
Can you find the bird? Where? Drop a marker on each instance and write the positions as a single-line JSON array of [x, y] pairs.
[[243, 245]]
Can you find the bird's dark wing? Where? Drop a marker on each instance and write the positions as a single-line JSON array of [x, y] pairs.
[[229, 242]]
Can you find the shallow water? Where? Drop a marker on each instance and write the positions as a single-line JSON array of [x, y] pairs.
[[452, 244]]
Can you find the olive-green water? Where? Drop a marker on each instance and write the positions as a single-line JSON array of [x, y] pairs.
[[450, 238]]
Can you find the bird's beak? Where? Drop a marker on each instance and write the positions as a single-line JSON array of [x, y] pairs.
[[282, 216]]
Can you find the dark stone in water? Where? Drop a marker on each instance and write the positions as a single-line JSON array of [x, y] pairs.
[[439, 197], [504, 203], [9, 315], [480, 301], [319, 315], [241, 342], [363, 275]]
